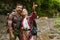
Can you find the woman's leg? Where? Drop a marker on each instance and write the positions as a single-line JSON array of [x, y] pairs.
[[31, 37]]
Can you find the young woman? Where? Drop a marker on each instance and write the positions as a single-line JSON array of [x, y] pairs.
[[27, 24]]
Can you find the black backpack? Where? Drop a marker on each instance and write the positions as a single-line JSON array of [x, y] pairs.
[[34, 29]]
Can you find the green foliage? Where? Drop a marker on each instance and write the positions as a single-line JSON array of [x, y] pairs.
[[45, 7], [57, 23]]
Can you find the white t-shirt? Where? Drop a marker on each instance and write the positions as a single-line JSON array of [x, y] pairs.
[[25, 24]]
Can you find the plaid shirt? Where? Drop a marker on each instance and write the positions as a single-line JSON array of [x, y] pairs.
[[13, 20], [30, 19]]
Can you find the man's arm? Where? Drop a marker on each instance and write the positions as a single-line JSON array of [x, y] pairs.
[[10, 24]]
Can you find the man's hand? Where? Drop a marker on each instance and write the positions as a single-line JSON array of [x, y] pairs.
[[34, 6], [11, 33], [12, 36]]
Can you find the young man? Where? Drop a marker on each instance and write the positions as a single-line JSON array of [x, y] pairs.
[[14, 22], [27, 25]]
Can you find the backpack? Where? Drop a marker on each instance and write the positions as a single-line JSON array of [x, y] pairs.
[[34, 29]]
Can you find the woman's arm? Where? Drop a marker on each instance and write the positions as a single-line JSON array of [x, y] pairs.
[[33, 16]]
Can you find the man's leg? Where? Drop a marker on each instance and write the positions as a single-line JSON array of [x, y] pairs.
[[20, 35]]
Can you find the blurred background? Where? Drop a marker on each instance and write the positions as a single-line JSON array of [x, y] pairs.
[[49, 8]]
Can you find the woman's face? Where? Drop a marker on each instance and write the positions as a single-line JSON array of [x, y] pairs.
[[24, 12]]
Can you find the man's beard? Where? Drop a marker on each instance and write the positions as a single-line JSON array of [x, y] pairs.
[[19, 12]]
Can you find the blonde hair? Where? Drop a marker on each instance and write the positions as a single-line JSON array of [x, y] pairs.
[[25, 11]]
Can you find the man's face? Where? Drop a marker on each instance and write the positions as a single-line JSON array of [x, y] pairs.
[[19, 9]]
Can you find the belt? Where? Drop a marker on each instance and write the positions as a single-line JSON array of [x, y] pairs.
[[26, 29]]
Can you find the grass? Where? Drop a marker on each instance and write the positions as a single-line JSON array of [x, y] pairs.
[[57, 23]]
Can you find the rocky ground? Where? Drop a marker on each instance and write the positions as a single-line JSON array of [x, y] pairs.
[[46, 29]]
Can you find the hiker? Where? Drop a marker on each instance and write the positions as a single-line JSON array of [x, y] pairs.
[[14, 23], [27, 25]]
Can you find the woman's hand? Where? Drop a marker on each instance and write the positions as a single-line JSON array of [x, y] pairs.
[[34, 6]]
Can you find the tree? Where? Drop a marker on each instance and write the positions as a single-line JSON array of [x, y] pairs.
[[44, 8]]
